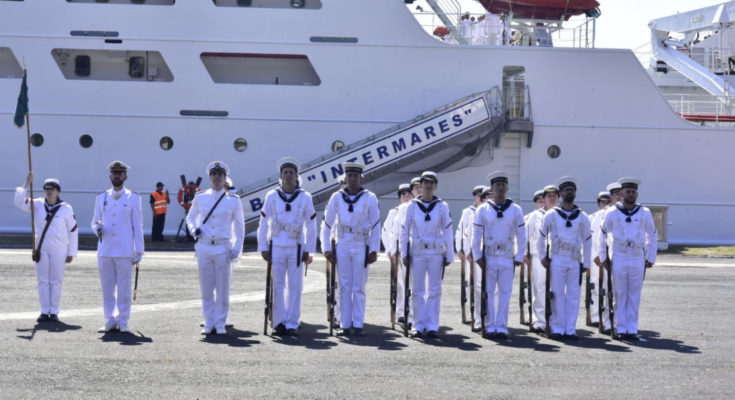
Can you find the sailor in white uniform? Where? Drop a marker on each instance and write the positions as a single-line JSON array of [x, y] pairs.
[[118, 224], [538, 273], [396, 232], [287, 236], [603, 200], [59, 245], [216, 218], [613, 189], [498, 241], [566, 230], [463, 237], [390, 242], [427, 229], [353, 214], [633, 240]]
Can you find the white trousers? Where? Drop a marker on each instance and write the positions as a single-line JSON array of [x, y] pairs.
[[287, 267], [426, 283], [116, 276], [478, 295], [352, 280], [628, 282], [401, 295], [214, 281], [50, 274], [499, 276], [538, 287], [594, 310], [565, 286]]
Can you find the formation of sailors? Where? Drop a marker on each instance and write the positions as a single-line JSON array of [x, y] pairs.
[[557, 243]]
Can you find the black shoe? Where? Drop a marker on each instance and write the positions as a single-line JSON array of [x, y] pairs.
[[534, 329], [53, 318], [476, 330], [502, 336], [432, 335], [292, 332], [630, 337], [571, 337], [555, 336], [42, 318], [490, 335], [416, 334], [401, 320], [594, 324], [343, 332], [279, 330], [606, 332], [357, 332]]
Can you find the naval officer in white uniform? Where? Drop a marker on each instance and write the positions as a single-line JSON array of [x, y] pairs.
[[216, 218], [354, 215], [59, 245], [118, 223], [287, 235]]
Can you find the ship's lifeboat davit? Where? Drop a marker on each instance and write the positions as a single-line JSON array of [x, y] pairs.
[[543, 9]]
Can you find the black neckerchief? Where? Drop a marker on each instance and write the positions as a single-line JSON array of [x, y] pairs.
[[287, 199], [628, 213], [427, 210], [346, 197], [572, 214], [50, 209], [499, 210]]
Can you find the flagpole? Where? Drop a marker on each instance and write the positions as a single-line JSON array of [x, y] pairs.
[[30, 170]]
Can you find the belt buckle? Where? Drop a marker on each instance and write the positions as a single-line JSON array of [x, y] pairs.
[[426, 245]]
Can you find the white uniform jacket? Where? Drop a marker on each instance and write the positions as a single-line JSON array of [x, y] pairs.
[[568, 233], [226, 225], [502, 228], [361, 226], [428, 227], [62, 234], [120, 216], [533, 227], [386, 234], [463, 236], [595, 228], [287, 226], [633, 233], [398, 226]]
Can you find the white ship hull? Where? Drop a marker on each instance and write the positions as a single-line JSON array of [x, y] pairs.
[[599, 106]]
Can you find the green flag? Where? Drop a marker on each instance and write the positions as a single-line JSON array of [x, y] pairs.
[[22, 108]]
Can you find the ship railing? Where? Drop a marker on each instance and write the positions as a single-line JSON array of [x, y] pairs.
[[517, 104], [701, 104]]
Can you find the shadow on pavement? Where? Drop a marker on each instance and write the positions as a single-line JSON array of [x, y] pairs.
[[378, 336], [588, 340], [48, 327], [446, 339], [653, 340], [233, 338], [311, 336], [126, 339], [523, 339]]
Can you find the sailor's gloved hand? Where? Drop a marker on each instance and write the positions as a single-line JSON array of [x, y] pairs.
[[234, 254], [137, 257]]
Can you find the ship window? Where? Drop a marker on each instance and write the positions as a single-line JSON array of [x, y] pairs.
[[112, 65], [136, 67], [260, 69], [36, 139], [146, 2], [9, 67], [82, 65], [553, 151], [240, 144], [295, 4], [338, 145], [85, 141], [166, 143]]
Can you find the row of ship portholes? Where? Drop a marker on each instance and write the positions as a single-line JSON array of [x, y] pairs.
[[166, 142], [240, 144]]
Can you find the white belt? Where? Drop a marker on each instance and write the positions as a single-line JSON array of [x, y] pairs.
[[499, 249], [293, 231], [562, 247], [426, 245], [214, 242], [342, 229]]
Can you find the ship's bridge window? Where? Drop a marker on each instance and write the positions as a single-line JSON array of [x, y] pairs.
[[9, 67], [261, 69], [295, 4], [112, 65], [146, 2]]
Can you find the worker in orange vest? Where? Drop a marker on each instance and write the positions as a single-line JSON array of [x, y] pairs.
[[159, 201]]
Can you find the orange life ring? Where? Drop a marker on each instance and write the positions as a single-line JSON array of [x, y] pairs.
[[186, 195]]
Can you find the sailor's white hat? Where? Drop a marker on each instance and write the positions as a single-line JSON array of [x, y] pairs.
[[429, 176], [498, 176], [229, 184], [404, 188], [565, 181], [478, 190], [353, 167], [487, 190], [629, 182], [341, 179], [550, 189], [52, 182], [216, 166], [415, 180], [118, 166], [538, 194], [613, 186], [288, 162], [603, 195]]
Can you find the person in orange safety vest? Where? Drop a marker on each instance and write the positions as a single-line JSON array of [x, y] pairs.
[[159, 202]]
